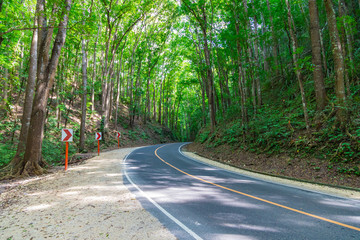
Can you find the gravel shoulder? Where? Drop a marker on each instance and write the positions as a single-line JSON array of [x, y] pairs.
[[89, 201], [344, 193]]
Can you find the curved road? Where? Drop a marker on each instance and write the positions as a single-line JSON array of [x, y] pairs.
[[197, 201]]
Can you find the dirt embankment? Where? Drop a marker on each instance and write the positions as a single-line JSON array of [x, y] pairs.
[[313, 170]]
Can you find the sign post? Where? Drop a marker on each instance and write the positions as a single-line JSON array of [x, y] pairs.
[[67, 136], [118, 136], [98, 137]]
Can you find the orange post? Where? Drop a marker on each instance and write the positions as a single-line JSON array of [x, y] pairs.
[[118, 142], [66, 155], [98, 147]]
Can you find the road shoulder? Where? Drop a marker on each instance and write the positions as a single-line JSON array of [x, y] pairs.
[[88, 201]]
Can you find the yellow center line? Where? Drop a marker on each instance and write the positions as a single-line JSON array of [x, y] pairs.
[[257, 198]]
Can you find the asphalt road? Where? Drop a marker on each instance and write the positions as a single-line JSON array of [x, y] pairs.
[[197, 201]]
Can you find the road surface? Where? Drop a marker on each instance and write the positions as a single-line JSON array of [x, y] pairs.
[[197, 201]]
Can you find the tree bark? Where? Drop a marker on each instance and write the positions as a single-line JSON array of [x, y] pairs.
[[209, 74], [320, 92], [326, 69], [274, 41], [256, 51], [241, 79], [32, 157], [94, 72], [264, 49], [131, 82], [84, 96], [154, 103], [160, 99], [296, 65], [118, 86], [346, 46], [29, 96], [341, 112], [5, 86], [109, 66]]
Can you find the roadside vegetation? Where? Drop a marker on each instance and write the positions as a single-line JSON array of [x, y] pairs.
[[53, 150]]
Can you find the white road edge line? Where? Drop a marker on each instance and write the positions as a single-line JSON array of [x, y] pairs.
[[175, 220]]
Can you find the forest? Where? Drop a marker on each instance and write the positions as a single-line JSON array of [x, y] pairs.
[[266, 76]]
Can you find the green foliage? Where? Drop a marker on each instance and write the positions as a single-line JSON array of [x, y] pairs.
[[7, 151], [53, 151], [134, 135], [144, 136], [203, 136], [156, 129]]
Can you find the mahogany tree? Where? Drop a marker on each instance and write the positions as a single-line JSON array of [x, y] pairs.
[[46, 70]]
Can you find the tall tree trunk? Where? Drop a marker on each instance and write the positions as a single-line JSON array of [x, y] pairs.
[[108, 97], [249, 58], [29, 96], [346, 46], [6, 79], [341, 111], [160, 99], [296, 65], [147, 100], [222, 88], [256, 51], [131, 81], [274, 41], [320, 92], [228, 94], [32, 157], [118, 87], [112, 93], [105, 71], [84, 96], [109, 67], [94, 72], [60, 99], [210, 76], [241, 79], [203, 95], [326, 69], [264, 49]]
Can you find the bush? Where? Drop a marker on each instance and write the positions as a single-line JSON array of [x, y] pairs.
[[53, 151]]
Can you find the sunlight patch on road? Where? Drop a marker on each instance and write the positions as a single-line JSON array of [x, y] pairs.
[[38, 207], [223, 236], [252, 227]]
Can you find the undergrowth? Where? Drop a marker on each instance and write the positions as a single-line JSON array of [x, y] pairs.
[[279, 128]]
